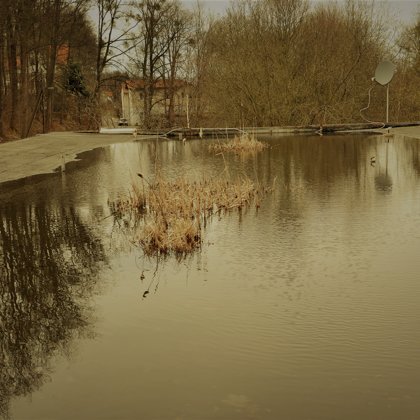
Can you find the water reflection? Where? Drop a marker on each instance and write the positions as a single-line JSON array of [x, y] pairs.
[[383, 180], [413, 148], [315, 177], [48, 263], [306, 309]]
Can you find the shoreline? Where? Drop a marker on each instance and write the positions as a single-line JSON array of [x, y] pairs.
[[45, 153]]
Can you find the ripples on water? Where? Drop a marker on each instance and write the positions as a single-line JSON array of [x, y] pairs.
[[306, 309]]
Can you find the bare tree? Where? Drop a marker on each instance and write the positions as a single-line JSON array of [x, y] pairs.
[[112, 39], [406, 96], [157, 31], [282, 63], [12, 58], [2, 73], [33, 32], [196, 64], [409, 43], [177, 36], [60, 14]]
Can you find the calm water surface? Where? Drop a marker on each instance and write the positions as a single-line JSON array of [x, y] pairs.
[[306, 309]]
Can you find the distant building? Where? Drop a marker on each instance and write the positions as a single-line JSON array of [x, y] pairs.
[[132, 100], [63, 54]]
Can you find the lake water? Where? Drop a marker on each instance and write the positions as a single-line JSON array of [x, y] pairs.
[[305, 309]]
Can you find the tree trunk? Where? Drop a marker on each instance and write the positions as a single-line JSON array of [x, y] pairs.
[[171, 94], [49, 90], [1, 83], [148, 98], [12, 58], [52, 58], [24, 91]]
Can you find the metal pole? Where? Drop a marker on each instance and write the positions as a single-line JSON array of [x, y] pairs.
[[387, 103]]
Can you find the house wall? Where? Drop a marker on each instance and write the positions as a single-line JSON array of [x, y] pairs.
[[133, 105]]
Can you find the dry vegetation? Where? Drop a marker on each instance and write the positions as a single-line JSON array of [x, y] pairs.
[[262, 63], [172, 215], [296, 62], [243, 143]]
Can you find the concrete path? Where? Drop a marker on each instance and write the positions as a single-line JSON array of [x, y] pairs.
[[46, 152], [413, 132]]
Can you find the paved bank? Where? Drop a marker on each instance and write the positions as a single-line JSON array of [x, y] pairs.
[[44, 153], [413, 132]]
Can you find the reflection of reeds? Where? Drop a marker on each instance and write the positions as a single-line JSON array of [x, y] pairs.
[[243, 143], [174, 213]]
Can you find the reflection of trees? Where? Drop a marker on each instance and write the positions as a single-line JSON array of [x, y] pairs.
[[309, 169], [48, 260], [297, 162], [383, 181], [413, 149]]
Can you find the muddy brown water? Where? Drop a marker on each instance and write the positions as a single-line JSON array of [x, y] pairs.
[[305, 309]]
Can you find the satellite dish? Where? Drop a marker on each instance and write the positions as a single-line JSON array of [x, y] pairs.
[[384, 72]]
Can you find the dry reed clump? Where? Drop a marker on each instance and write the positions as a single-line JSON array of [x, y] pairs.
[[174, 213], [243, 143]]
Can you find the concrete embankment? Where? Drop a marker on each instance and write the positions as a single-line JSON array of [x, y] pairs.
[[412, 132], [46, 152]]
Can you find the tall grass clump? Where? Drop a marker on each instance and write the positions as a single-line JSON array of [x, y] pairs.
[[172, 215], [240, 144]]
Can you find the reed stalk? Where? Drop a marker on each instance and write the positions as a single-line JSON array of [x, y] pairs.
[[174, 214], [244, 143]]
